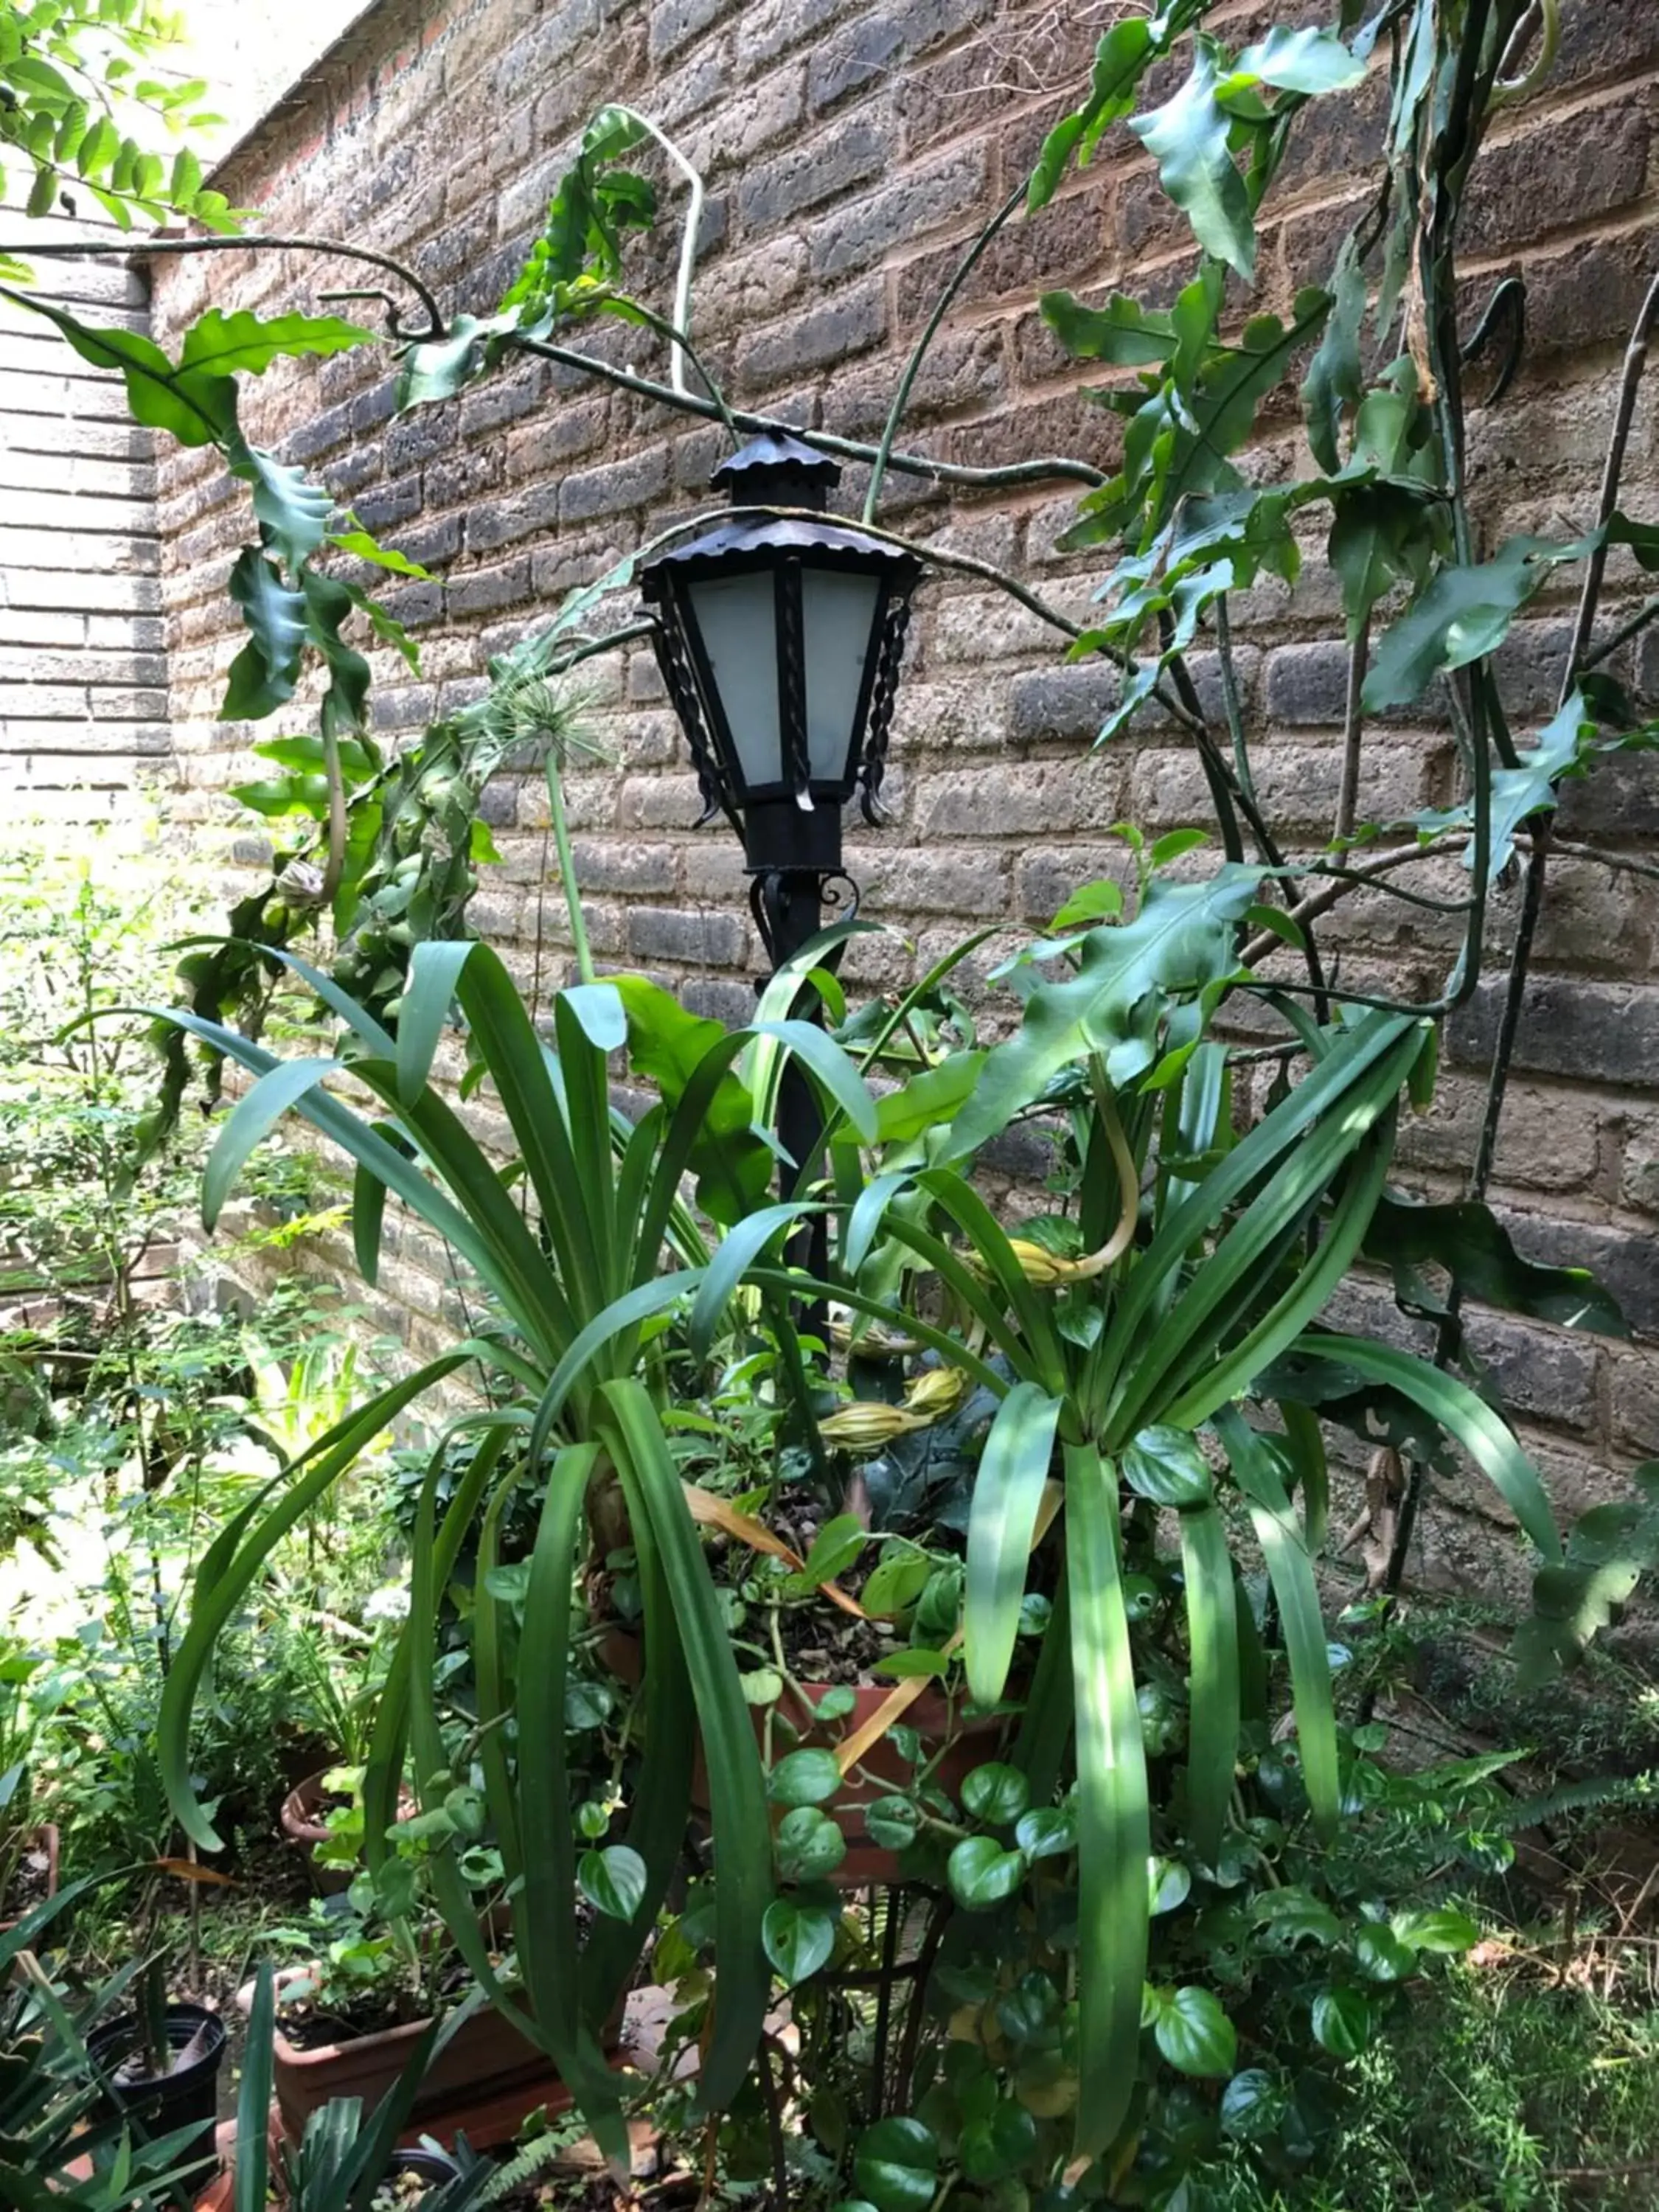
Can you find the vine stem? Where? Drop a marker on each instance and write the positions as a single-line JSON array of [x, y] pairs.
[[416, 284], [1052, 469], [585, 970], [1589, 598], [964, 269], [680, 342]]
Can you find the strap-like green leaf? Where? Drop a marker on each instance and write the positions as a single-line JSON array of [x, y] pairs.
[[736, 1253], [1114, 1816], [833, 1071], [1232, 1374], [254, 2098], [1007, 1492], [743, 1840], [215, 1603], [1212, 1688], [433, 973], [661, 1792], [1045, 1728], [544, 1923], [1257, 1469], [1468, 1421], [251, 1120]]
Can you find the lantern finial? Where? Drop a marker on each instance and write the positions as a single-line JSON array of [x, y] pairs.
[[777, 471]]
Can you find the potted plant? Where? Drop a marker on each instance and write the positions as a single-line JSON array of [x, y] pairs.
[[322, 1814], [29, 1847], [348, 2155], [159, 2066], [380, 1967], [61, 2129]]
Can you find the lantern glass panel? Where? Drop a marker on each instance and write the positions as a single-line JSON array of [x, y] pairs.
[[838, 611], [736, 619]]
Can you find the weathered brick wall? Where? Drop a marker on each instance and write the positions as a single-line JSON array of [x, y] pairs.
[[851, 149], [83, 697]]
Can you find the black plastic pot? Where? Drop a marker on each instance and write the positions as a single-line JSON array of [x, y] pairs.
[[432, 2165], [186, 2099]]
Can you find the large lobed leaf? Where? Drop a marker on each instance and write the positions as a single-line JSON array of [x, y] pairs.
[[1139, 987]]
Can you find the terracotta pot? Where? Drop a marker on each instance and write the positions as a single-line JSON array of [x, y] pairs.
[[304, 1827], [45, 1838], [484, 2058], [967, 1744]]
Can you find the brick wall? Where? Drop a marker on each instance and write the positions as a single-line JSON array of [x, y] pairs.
[[850, 150], [83, 697]]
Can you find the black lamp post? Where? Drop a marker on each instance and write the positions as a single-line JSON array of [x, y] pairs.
[[779, 641]]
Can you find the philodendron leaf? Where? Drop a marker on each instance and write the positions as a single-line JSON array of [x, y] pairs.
[[1467, 1241], [804, 1777], [1342, 2022], [810, 1846], [1188, 138], [896, 2165], [613, 1881], [1166, 1466], [996, 2142], [1610, 1549], [225, 345], [1193, 2031], [982, 1874], [436, 368], [293, 513], [1306, 61], [264, 674], [1139, 987], [1464, 614], [995, 1794], [1439, 1928], [799, 1935]]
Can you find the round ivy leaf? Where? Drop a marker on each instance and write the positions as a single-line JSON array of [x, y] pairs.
[[1342, 2022], [996, 1794], [764, 1687], [996, 2143], [981, 1874], [592, 1819], [1440, 1929], [799, 1936], [1047, 1833], [1193, 2033], [1290, 1916], [1252, 2105], [1169, 1884], [835, 1703], [893, 1822], [613, 1881], [1162, 1719], [896, 2165], [1166, 1466], [804, 1777], [810, 1845], [1029, 2011], [1382, 1957], [465, 1808], [1142, 1596]]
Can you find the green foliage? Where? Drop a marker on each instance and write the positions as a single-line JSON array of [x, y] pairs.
[[68, 88]]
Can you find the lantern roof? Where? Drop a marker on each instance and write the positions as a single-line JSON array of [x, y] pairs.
[[774, 469], [829, 542]]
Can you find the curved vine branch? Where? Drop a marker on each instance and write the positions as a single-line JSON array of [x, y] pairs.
[[242, 244]]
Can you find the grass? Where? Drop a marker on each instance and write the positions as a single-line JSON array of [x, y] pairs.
[[1506, 2089]]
